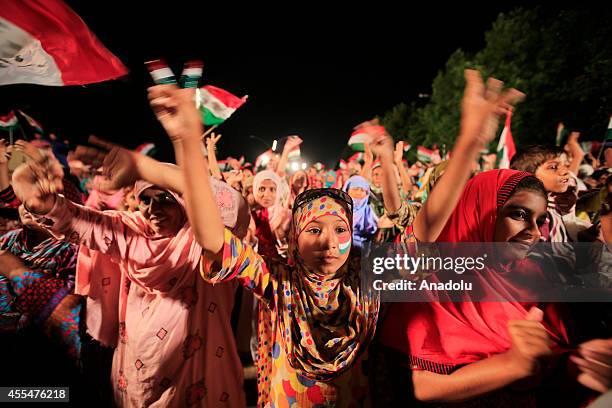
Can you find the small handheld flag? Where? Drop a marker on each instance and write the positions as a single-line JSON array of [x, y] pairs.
[[160, 72], [192, 73]]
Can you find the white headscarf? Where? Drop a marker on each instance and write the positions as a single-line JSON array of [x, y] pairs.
[[276, 210]]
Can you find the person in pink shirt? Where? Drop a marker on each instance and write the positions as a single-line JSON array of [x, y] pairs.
[[174, 341]]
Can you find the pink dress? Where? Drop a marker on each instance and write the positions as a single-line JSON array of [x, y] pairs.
[[175, 345]]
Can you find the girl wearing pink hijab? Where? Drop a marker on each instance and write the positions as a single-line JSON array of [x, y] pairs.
[[174, 342]]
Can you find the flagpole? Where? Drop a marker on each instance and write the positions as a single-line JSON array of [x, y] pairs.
[[210, 129], [601, 149], [22, 133], [10, 135]]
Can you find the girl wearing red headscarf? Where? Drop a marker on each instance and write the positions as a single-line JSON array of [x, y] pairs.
[[472, 352], [465, 350]]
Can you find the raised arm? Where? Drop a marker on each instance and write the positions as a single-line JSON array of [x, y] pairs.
[[382, 146], [574, 149], [404, 176], [481, 108], [122, 167], [37, 185], [178, 115], [291, 143], [211, 145]]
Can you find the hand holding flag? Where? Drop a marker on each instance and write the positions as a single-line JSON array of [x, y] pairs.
[[376, 136], [365, 132], [160, 72], [292, 142], [176, 111], [192, 73]]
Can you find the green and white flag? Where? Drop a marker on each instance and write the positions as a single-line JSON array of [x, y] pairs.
[[294, 154], [192, 73], [424, 154], [160, 72], [216, 104], [9, 122]]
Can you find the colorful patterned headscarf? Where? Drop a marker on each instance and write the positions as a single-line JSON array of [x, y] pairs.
[[318, 208], [324, 351]]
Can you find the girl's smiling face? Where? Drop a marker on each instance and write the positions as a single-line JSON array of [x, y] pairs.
[[519, 221]]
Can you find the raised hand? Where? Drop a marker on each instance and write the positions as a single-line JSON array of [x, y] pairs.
[[292, 142], [572, 140], [368, 156], [29, 150], [176, 111], [399, 153], [36, 184], [482, 107], [234, 178], [213, 140], [382, 146], [118, 164]]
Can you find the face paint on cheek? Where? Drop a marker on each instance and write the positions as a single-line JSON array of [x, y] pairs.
[[345, 246]]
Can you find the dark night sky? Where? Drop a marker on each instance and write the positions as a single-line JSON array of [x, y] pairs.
[[309, 71]]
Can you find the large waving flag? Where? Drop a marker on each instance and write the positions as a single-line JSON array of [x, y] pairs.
[[505, 148], [44, 42], [217, 105]]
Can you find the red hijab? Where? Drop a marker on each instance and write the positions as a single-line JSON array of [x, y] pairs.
[[441, 336]]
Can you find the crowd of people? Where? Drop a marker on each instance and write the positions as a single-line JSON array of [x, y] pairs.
[[131, 272]]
